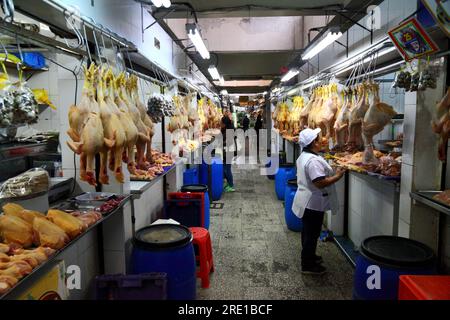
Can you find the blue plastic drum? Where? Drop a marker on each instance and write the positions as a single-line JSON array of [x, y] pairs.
[[190, 176], [383, 260], [285, 173], [168, 249], [200, 188], [216, 178], [292, 221]]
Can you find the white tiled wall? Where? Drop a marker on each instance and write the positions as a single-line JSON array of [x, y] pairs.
[[372, 208]]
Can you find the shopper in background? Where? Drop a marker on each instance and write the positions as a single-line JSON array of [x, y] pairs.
[[246, 123], [258, 127], [315, 195], [228, 152]]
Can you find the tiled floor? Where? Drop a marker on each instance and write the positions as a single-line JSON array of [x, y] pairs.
[[257, 258]]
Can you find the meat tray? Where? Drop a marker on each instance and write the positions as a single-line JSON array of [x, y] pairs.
[[426, 197]]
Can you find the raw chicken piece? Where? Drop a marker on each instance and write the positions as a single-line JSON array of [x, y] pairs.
[[16, 269], [26, 215], [7, 283], [71, 225], [376, 118], [4, 257], [327, 115], [357, 114], [4, 248], [89, 218], [49, 234], [16, 231]]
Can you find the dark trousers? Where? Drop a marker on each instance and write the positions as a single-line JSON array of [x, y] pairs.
[[312, 227], [228, 174]]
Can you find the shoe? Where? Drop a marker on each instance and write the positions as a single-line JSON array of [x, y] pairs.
[[229, 189], [314, 270], [318, 259]]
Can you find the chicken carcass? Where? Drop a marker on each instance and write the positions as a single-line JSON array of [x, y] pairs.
[[327, 115], [304, 115], [145, 118], [12, 209], [79, 114], [357, 114], [71, 225], [376, 118], [49, 234], [112, 130], [92, 139], [441, 125], [14, 230], [342, 121], [128, 124]]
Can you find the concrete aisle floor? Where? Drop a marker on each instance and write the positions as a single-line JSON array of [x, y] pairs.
[[257, 258]]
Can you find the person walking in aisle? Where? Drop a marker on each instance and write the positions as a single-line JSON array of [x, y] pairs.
[[227, 124], [258, 126], [245, 123], [316, 194]]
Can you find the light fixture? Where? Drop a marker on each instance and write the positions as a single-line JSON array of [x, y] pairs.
[[224, 92], [318, 47], [366, 60], [166, 3], [157, 3], [197, 40], [222, 81], [214, 73], [288, 76]]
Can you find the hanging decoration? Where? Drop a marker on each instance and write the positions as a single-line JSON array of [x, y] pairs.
[[412, 40]]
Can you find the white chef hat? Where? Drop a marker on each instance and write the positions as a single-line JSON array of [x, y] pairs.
[[307, 137]]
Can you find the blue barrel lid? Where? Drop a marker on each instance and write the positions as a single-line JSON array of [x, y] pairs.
[[292, 182], [162, 236], [398, 251], [194, 188]]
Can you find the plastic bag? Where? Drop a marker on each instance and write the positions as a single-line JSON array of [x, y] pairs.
[[402, 80], [30, 183], [6, 102]]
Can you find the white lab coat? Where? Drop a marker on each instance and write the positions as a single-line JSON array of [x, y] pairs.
[[306, 188]]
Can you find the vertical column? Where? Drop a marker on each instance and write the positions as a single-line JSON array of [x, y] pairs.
[[421, 169]]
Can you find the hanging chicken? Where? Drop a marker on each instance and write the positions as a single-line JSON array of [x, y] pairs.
[[441, 125]]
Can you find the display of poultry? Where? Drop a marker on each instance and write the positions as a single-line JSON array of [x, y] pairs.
[[14, 230], [441, 125], [49, 235], [282, 118], [294, 116], [326, 113], [376, 118], [92, 140], [304, 115]]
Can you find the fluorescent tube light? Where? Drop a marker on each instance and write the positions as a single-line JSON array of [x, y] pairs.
[[214, 73], [288, 76], [314, 50], [166, 3], [197, 40], [222, 81], [367, 60], [157, 3]]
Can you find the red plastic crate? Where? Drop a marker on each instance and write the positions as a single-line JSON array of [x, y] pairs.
[[424, 288]]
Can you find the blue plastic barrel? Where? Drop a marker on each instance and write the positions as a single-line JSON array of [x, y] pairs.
[[285, 173], [200, 188], [293, 222], [203, 173], [167, 249], [216, 178], [383, 260], [190, 176]]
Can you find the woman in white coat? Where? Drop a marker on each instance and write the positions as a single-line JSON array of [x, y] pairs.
[[314, 196]]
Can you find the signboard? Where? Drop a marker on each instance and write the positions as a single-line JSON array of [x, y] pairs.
[[412, 40], [440, 10]]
